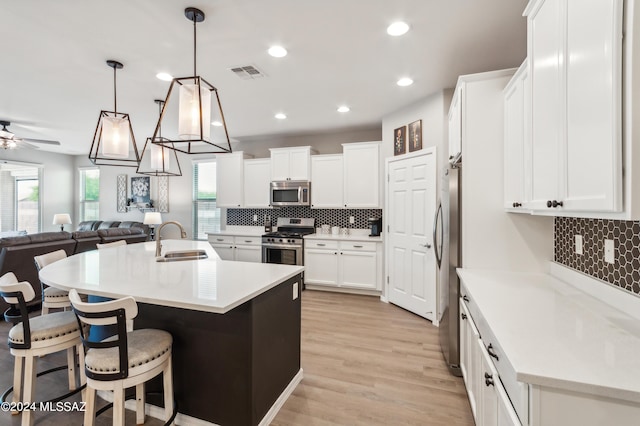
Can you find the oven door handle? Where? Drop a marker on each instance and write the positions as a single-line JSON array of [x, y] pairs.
[[281, 246]]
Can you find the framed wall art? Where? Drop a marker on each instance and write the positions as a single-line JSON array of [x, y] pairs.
[[121, 185], [141, 190], [400, 140], [415, 136]]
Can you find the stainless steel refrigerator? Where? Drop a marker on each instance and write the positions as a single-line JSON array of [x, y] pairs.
[[448, 226]]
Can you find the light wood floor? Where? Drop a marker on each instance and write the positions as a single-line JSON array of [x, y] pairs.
[[365, 363]]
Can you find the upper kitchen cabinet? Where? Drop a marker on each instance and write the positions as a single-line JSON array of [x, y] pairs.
[[361, 175], [517, 113], [256, 183], [326, 181], [575, 72], [290, 163], [455, 124], [229, 179]]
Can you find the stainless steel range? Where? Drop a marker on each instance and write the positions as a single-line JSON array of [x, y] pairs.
[[286, 245]]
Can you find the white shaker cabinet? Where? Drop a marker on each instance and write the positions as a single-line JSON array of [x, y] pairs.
[[326, 181], [343, 264], [241, 248], [229, 179], [290, 163], [575, 65], [361, 175], [517, 114], [455, 123], [256, 183]]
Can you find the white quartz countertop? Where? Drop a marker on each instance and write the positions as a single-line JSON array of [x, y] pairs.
[[210, 285], [246, 231], [350, 237], [558, 336]]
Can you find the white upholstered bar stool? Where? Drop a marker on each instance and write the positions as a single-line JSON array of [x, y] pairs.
[[125, 360], [52, 297], [30, 338], [112, 244]]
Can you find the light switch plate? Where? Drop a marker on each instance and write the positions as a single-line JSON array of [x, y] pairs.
[[579, 244], [352, 219], [255, 217], [295, 291], [609, 251]]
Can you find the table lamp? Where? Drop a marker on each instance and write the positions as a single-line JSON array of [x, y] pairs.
[[62, 219], [152, 219]]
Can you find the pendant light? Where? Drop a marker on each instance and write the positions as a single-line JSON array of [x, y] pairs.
[[113, 142], [197, 106], [157, 160]]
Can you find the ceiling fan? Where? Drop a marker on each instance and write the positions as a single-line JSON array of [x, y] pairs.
[[9, 140]]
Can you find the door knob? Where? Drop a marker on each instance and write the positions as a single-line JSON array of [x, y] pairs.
[[427, 245]]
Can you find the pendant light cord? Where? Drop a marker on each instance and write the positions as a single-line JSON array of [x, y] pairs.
[[194, 44], [115, 95]]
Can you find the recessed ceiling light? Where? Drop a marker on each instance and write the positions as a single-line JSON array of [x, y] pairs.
[[216, 123], [397, 28], [164, 76], [280, 116], [277, 51], [344, 108], [406, 81]]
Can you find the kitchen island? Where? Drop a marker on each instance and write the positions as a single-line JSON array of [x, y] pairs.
[[235, 325]]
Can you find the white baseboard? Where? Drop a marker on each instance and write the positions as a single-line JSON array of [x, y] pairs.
[[184, 420], [608, 293]]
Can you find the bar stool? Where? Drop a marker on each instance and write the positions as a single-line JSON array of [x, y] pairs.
[[124, 360], [52, 297], [30, 338], [112, 244]]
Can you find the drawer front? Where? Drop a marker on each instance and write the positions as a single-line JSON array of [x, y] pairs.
[[253, 241], [220, 239], [357, 245], [321, 244]]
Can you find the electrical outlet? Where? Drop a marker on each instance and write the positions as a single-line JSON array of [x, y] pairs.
[[255, 217], [352, 219], [579, 244], [609, 251], [295, 291]]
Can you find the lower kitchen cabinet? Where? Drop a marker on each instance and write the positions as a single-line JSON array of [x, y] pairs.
[[343, 264], [237, 247]]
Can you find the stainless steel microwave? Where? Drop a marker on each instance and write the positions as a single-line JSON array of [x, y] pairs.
[[290, 193]]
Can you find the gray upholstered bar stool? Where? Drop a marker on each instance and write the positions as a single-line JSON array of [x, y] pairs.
[[30, 338], [52, 297], [125, 360]]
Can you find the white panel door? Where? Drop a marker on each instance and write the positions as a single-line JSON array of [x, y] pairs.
[[224, 251], [487, 410], [514, 141], [326, 181], [547, 102], [411, 191], [279, 164], [299, 163], [256, 183], [593, 68], [361, 177]]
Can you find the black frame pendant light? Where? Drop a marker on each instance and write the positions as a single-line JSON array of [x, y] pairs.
[[157, 160], [114, 141], [201, 127]]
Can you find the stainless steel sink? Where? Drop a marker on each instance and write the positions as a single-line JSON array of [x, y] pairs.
[[174, 256]]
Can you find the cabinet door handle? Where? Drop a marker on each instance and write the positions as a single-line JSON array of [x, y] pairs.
[[335, 252], [219, 239], [247, 241], [517, 204], [488, 379], [357, 246], [321, 245], [491, 352], [464, 316], [554, 204], [465, 298]]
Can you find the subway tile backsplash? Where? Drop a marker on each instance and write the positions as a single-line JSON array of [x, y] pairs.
[[624, 273], [332, 217]]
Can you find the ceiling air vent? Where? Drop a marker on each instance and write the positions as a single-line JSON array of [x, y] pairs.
[[247, 72]]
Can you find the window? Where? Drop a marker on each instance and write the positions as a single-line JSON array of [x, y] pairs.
[[89, 194], [20, 203], [206, 216]]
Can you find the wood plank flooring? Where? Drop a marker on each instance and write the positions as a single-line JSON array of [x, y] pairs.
[[365, 363]]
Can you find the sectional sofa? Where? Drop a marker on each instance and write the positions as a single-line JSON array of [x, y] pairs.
[[17, 253]]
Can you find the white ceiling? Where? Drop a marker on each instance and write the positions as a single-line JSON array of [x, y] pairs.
[[54, 79]]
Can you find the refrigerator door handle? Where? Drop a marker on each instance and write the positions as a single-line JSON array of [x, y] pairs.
[[438, 250]]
